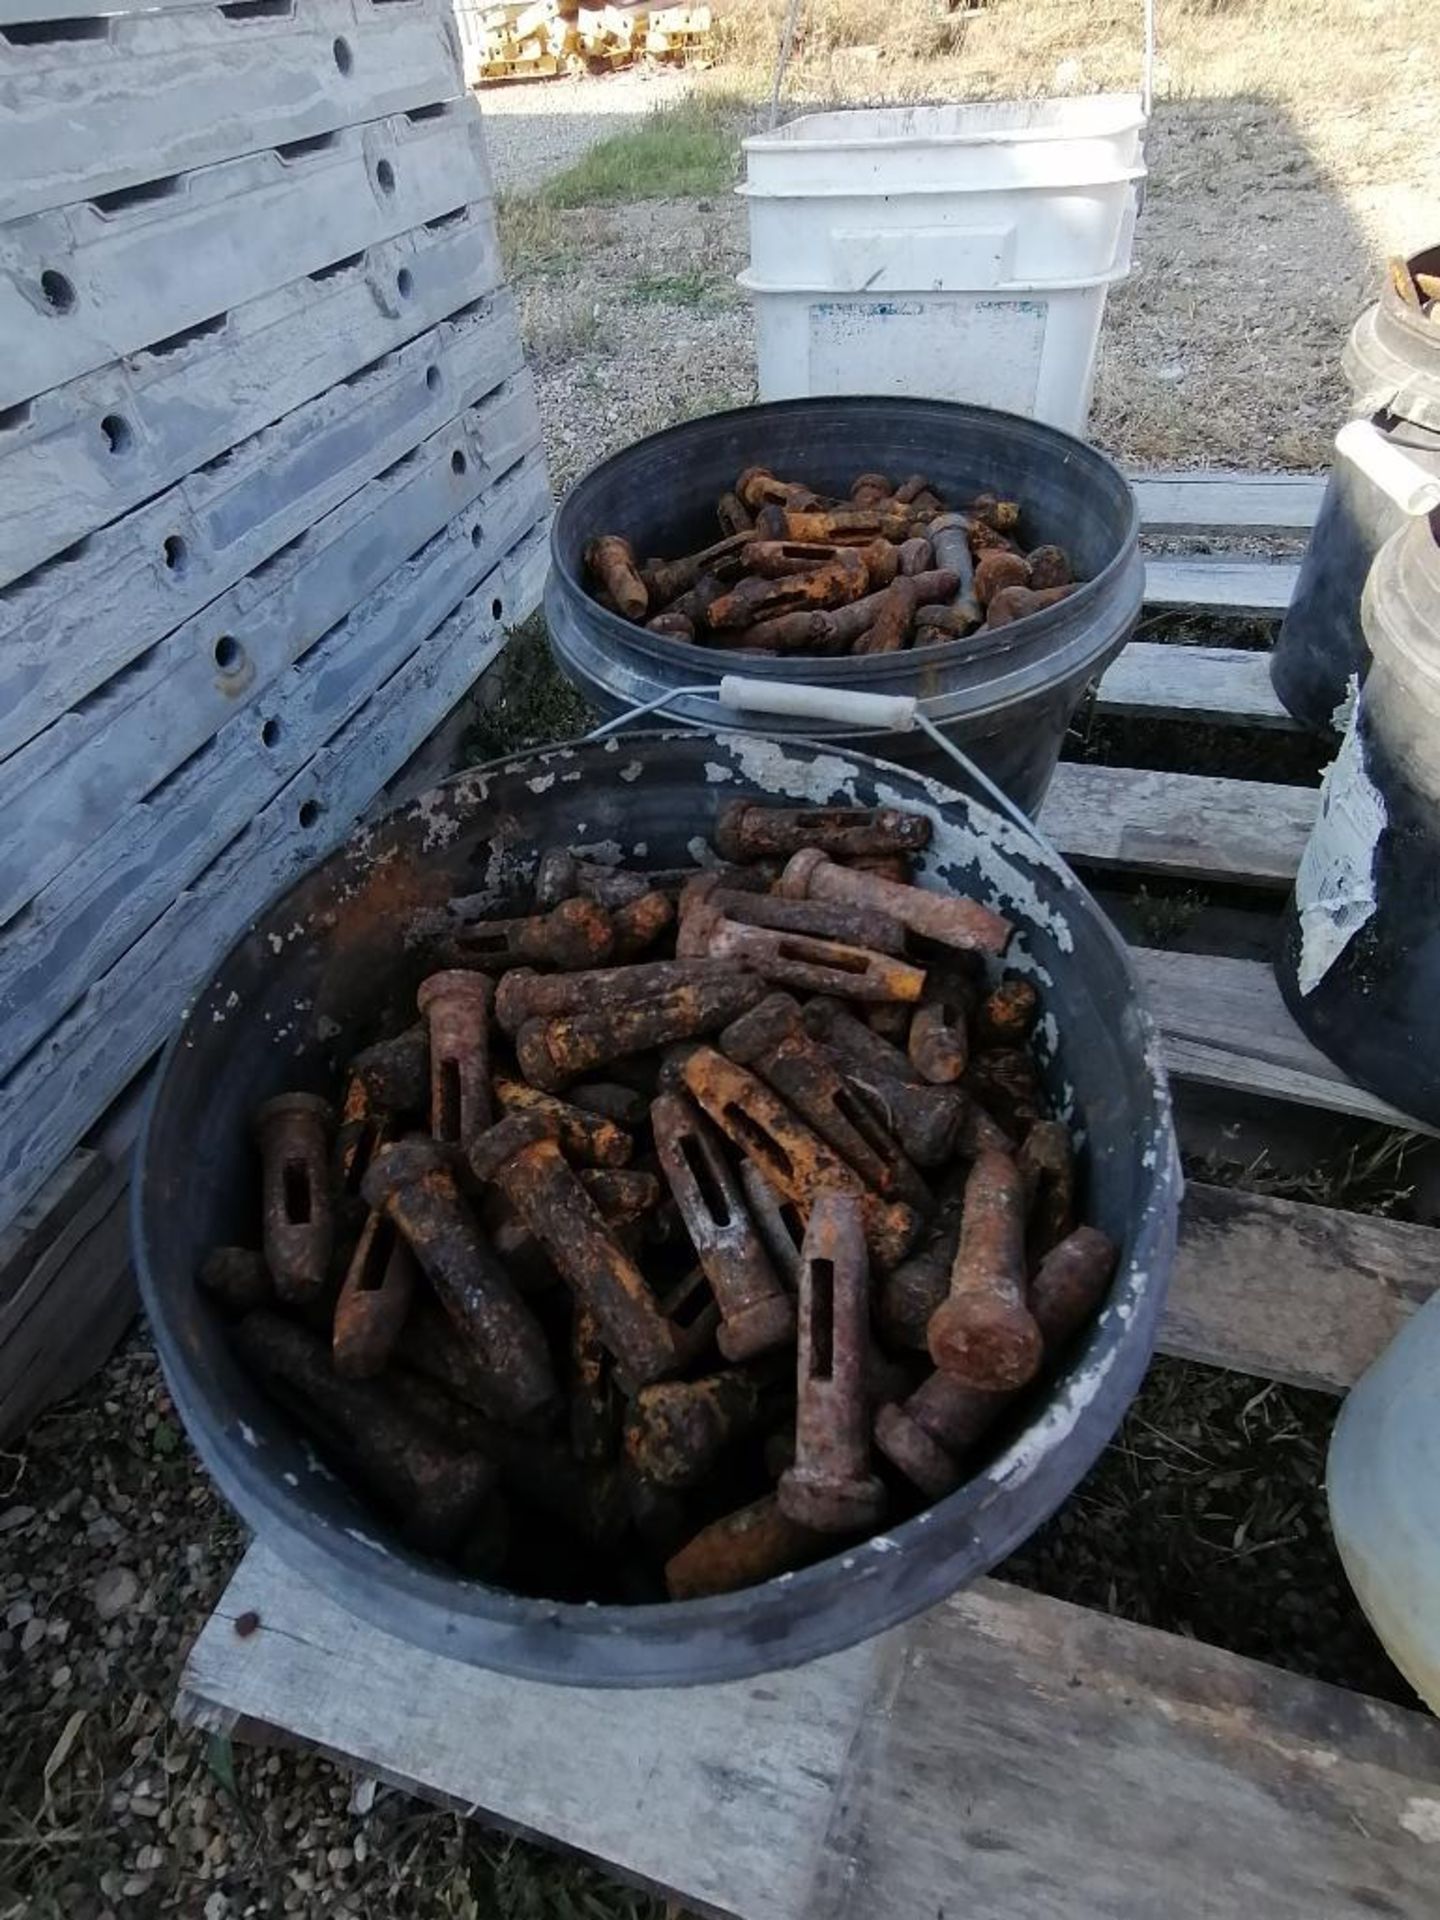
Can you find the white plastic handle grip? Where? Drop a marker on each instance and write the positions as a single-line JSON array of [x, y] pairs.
[[893, 712], [1399, 477]]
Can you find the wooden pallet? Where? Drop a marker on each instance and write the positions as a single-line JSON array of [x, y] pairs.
[[1006, 1755]]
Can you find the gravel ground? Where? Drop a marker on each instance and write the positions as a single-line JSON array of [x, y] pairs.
[[537, 127]]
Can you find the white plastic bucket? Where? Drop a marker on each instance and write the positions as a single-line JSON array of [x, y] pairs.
[[950, 252]]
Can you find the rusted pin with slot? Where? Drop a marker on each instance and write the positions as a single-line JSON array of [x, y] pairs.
[[831, 1488], [296, 1209], [792, 1155], [929, 1122], [755, 1311], [839, 580], [578, 933], [949, 918], [928, 1435], [523, 995], [983, 1333], [797, 959], [413, 1182], [522, 1156], [456, 1007], [750, 830], [909, 1294], [374, 1301], [666, 580], [435, 1492], [854, 926], [938, 1042], [1046, 1159], [772, 1041], [587, 1138], [553, 1051], [395, 1073]]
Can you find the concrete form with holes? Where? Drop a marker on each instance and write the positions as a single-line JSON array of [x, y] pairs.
[[271, 491]]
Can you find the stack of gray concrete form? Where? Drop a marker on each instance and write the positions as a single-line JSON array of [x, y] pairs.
[[271, 491]]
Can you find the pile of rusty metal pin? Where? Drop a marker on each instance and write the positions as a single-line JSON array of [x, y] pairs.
[[701, 1224], [891, 566]]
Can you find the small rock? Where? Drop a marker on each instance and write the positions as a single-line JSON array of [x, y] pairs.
[[216, 1906], [18, 1612], [32, 1636], [148, 1859], [60, 1679], [137, 1884], [143, 1806], [58, 1631], [116, 1590]]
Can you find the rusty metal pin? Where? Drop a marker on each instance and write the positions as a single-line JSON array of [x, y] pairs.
[[434, 1493], [594, 1410], [1049, 567], [1046, 1160], [665, 580], [1006, 1082], [586, 1137], [1007, 1013], [950, 538], [640, 923], [916, 555], [867, 489], [939, 1039], [676, 626], [624, 1105], [296, 1211], [983, 1333], [561, 1048], [396, 1073], [776, 559], [772, 1040], [734, 516], [843, 526], [830, 1487], [927, 1435], [777, 1220], [792, 1156], [750, 830], [854, 926], [561, 875], [237, 1277], [586, 1501], [996, 571], [753, 1544], [523, 995], [929, 1122], [612, 560], [522, 1157], [894, 619], [798, 959], [755, 1311], [374, 1301], [1018, 603], [949, 918], [414, 1183], [840, 580], [578, 933], [456, 1007], [677, 1429], [910, 1292]]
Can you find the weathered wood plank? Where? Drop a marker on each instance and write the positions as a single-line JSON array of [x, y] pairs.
[[140, 97], [1221, 685], [37, 1227], [208, 388], [1213, 581], [128, 875], [141, 577], [240, 228], [1224, 1024], [46, 1105], [931, 1771], [64, 787], [1268, 503], [1179, 823], [1308, 1295], [82, 1299]]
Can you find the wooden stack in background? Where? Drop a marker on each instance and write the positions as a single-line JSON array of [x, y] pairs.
[[271, 491], [536, 39]]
